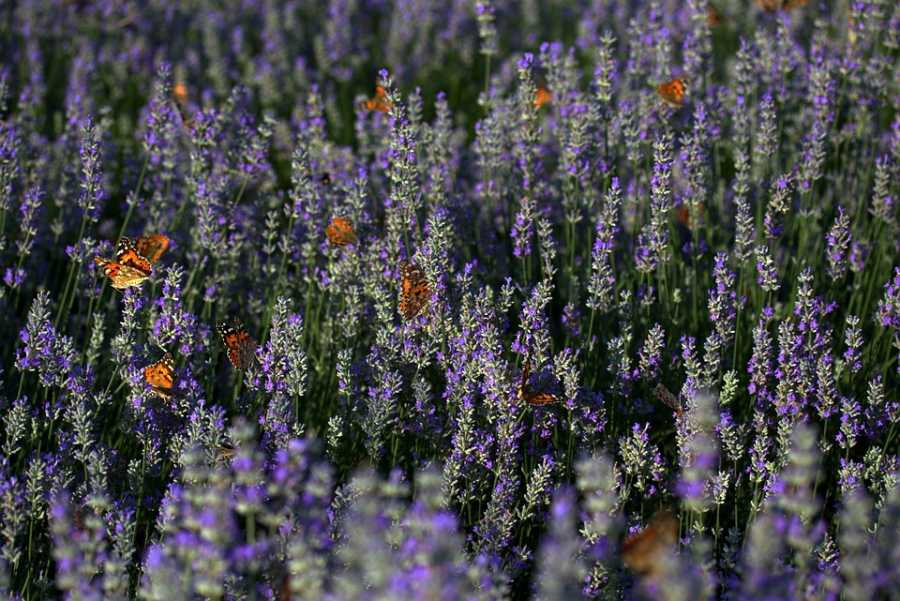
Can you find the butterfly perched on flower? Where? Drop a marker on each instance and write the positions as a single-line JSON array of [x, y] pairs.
[[325, 179], [379, 102], [771, 6], [161, 376], [134, 260], [414, 290], [542, 97], [340, 232], [643, 552], [672, 92], [180, 92], [713, 18], [530, 396], [240, 345]]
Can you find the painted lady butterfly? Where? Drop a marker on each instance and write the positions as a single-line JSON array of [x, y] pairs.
[[642, 552], [340, 232], [771, 6], [529, 396], [161, 376], [134, 260], [672, 92], [414, 290], [378, 102], [542, 97], [240, 345]]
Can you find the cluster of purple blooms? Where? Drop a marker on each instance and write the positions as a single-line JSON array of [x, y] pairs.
[[708, 290]]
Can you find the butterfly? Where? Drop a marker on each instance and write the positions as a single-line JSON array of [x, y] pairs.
[[161, 376], [325, 179], [665, 396], [134, 260], [529, 396], [542, 96], [180, 92], [672, 92], [771, 6], [643, 551], [414, 290], [340, 232], [225, 453], [379, 102], [713, 18], [240, 345]]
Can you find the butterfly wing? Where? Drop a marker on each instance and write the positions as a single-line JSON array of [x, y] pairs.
[[665, 396], [127, 253], [241, 347], [540, 398], [672, 92], [161, 376], [542, 96], [152, 246], [642, 551], [379, 102], [121, 275], [340, 232], [414, 290]]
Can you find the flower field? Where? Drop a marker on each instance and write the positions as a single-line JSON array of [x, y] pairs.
[[465, 299]]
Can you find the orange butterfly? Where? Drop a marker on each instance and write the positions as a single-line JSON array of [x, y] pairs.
[[340, 232], [542, 97], [134, 260], [240, 345], [713, 18], [414, 290], [643, 551], [771, 6], [529, 396], [379, 102], [161, 376], [672, 92], [180, 92]]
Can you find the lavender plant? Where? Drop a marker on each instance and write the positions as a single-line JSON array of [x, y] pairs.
[[408, 299]]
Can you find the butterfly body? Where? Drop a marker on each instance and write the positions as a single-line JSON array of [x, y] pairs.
[[672, 92], [340, 232], [161, 376], [414, 290], [134, 260], [241, 347]]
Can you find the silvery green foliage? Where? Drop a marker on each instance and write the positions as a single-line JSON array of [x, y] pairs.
[[663, 303]]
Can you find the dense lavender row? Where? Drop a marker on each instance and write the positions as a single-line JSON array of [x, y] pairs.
[[519, 324]]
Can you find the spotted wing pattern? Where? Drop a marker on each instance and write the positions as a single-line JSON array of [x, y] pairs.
[[161, 376], [414, 290], [340, 232], [129, 268], [672, 92], [241, 347]]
